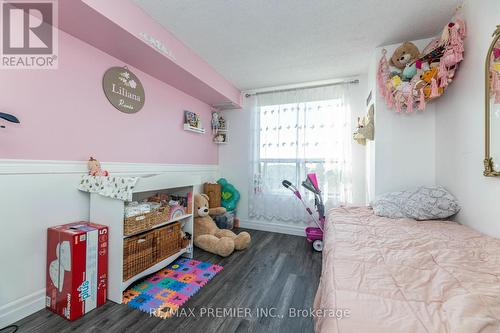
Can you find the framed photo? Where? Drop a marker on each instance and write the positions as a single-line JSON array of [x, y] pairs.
[[191, 118]]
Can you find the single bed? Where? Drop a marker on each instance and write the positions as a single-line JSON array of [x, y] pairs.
[[400, 275]]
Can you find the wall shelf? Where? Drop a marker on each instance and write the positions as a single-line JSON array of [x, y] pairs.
[[190, 128]]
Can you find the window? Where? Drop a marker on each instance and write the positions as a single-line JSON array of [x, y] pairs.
[[299, 138], [295, 132]]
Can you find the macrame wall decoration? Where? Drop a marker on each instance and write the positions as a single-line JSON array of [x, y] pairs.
[[412, 78]]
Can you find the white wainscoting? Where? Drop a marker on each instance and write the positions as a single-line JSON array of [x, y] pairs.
[[35, 195]]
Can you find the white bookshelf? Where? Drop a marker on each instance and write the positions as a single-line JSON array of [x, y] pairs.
[[110, 212]]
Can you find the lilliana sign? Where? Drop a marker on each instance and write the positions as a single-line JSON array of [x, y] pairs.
[[123, 89]]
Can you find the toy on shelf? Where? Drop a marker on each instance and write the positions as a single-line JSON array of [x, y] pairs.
[[220, 138], [215, 122], [416, 78], [219, 128], [95, 168], [192, 122]]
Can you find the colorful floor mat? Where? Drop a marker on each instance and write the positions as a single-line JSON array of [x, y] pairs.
[[162, 293]]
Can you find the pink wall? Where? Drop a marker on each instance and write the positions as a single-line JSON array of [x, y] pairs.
[[65, 115]]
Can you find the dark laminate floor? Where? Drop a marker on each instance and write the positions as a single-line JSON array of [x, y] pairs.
[[278, 271]]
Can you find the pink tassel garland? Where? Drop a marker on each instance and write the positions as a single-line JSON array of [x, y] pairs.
[[409, 102], [390, 100], [434, 89], [442, 74], [421, 103], [398, 103]]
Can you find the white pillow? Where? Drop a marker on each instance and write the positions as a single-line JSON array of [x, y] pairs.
[[422, 203]]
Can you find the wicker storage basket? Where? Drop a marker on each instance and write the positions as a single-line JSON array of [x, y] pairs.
[[145, 250], [137, 254], [214, 194], [167, 241], [137, 224]]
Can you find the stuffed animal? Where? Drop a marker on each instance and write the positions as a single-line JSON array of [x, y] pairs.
[[219, 138], [229, 195], [208, 236], [404, 55], [95, 168], [215, 121], [427, 76], [409, 72]]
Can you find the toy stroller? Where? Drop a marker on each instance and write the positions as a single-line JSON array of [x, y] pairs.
[[314, 235]]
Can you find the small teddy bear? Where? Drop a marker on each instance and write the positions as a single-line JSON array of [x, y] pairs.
[[95, 168], [405, 54], [403, 59]]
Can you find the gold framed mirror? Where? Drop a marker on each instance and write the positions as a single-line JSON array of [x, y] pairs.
[[492, 106]]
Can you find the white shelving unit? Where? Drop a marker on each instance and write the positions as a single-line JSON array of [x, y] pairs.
[[110, 212]]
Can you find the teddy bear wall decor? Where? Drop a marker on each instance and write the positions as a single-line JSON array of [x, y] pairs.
[[208, 236], [412, 78], [366, 127]]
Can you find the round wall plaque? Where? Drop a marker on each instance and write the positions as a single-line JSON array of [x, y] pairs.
[[123, 89]]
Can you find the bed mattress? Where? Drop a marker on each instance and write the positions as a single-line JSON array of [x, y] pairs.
[[385, 275]]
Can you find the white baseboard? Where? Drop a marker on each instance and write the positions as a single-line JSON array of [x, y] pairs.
[[22, 307], [273, 227]]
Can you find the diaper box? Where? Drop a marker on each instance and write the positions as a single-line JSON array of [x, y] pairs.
[[77, 268]]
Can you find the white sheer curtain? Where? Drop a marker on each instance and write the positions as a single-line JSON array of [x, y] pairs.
[[293, 133]]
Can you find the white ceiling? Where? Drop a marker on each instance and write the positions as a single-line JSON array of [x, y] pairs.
[[264, 43]]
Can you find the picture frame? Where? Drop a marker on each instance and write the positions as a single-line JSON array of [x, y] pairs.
[[191, 118]]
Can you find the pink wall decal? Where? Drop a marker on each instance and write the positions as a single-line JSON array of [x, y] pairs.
[[65, 115]]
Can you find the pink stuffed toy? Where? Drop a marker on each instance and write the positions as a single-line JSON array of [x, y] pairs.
[[95, 168]]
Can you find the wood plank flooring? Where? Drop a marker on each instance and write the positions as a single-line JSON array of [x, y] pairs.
[[278, 272]]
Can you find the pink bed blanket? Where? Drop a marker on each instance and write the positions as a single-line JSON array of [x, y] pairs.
[[383, 275]]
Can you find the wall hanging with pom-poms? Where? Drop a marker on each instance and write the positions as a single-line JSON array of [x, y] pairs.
[[411, 78]]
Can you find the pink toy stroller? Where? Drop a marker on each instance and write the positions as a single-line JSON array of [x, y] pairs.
[[314, 235]]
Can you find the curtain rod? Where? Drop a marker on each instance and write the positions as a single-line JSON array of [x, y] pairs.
[[356, 81]]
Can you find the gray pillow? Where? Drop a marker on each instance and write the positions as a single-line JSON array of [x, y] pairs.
[[423, 203]]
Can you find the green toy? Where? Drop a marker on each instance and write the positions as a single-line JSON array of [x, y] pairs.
[[230, 195], [409, 72]]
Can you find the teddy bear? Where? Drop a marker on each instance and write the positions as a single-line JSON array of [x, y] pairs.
[[208, 236], [403, 59], [95, 168], [405, 54]]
